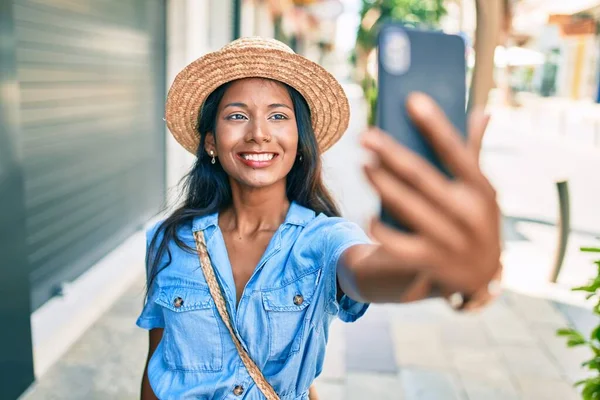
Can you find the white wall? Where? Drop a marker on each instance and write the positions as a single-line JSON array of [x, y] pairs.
[[194, 28], [249, 12], [256, 19], [589, 70], [589, 78], [264, 23], [180, 51]]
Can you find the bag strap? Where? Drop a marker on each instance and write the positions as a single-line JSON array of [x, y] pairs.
[[217, 295]]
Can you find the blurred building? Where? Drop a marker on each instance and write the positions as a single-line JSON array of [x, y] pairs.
[[85, 159], [567, 34], [553, 48], [307, 26]]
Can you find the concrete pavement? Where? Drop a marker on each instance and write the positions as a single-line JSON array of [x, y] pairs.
[[418, 351], [509, 351]]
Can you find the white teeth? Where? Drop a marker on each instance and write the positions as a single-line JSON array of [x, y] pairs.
[[259, 157]]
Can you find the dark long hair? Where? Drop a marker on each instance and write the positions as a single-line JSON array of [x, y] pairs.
[[206, 187]]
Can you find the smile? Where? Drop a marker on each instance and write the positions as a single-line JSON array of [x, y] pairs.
[[258, 156], [257, 160]]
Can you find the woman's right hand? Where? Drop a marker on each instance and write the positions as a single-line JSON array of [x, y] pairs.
[[455, 222]]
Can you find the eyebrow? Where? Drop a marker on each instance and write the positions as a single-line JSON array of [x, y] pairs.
[[275, 105], [244, 105]]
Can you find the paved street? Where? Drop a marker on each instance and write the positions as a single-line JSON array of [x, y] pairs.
[[524, 156], [423, 350]]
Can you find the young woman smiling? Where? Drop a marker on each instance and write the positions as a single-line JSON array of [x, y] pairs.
[[245, 277]]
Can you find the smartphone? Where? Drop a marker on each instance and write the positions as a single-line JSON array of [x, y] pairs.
[[430, 62]]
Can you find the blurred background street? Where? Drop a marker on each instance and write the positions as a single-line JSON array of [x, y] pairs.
[[86, 164]]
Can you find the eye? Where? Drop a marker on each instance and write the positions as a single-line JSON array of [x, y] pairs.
[[278, 117], [237, 116]]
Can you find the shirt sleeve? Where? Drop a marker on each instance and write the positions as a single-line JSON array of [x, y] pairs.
[[342, 235], [152, 314]]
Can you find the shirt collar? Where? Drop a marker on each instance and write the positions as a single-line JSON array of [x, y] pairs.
[[296, 215]]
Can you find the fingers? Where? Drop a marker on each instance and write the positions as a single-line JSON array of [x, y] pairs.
[[486, 295], [477, 124], [419, 289], [414, 251], [443, 137], [477, 303], [436, 207], [430, 185], [407, 165], [407, 205]]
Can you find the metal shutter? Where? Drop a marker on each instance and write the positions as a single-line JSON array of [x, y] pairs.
[[92, 87]]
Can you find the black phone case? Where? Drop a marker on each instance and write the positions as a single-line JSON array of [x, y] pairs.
[[437, 67]]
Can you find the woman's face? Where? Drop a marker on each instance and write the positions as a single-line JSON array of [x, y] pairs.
[[256, 132]]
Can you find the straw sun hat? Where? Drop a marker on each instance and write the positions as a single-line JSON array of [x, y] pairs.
[[256, 58]]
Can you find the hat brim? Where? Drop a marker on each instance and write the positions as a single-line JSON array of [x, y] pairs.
[[330, 111]]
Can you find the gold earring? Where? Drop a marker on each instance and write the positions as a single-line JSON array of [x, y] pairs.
[[212, 154]]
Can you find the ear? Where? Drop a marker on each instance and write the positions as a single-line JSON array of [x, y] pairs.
[[209, 143]]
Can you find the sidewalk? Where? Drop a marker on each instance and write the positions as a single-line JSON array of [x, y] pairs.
[[425, 351], [418, 351], [524, 164]]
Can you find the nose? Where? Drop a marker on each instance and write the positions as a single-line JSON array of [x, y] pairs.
[[258, 133]]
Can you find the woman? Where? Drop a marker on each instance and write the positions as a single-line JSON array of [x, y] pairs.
[[245, 277]]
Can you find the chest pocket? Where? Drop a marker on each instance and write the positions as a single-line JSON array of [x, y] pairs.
[[193, 335], [288, 317]]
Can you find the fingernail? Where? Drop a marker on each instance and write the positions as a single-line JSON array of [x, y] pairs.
[[371, 160], [420, 99], [370, 138], [419, 105]]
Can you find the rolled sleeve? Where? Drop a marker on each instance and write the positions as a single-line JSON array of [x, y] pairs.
[[343, 235], [152, 314]]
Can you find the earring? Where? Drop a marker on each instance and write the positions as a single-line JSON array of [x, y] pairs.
[[300, 158], [212, 154]]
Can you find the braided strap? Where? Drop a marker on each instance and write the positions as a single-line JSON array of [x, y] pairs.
[[217, 295]]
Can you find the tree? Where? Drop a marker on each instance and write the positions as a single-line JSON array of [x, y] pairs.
[[494, 20], [590, 386], [411, 12], [374, 12], [417, 13]]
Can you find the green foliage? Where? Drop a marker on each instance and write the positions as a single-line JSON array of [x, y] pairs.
[[370, 88], [590, 387], [427, 13], [410, 12]]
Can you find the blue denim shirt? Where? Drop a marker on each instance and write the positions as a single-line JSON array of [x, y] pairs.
[[282, 319]]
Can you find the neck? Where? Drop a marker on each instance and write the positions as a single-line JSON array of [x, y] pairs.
[[255, 210]]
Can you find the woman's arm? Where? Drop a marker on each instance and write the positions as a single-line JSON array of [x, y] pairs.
[[454, 239], [155, 336], [365, 274]]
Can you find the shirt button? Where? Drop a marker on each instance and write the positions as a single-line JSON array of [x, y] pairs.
[[178, 302], [298, 299], [238, 390]]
